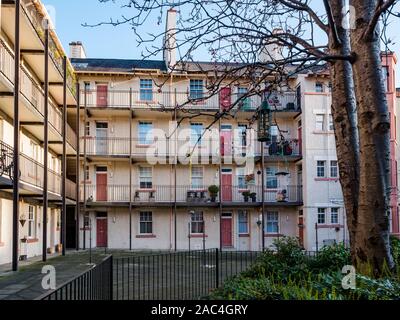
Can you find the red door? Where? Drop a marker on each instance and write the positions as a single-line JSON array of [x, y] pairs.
[[226, 185], [225, 98], [299, 135], [226, 140], [102, 96], [226, 231], [301, 231], [101, 232], [101, 186]]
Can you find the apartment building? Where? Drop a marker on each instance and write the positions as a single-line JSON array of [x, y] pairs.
[[23, 26]]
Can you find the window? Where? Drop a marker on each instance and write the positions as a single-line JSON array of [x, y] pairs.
[[241, 178], [145, 133], [196, 133], [146, 90], [272, 179], [86, 220], [319, 87], [321, 169], [334, 169], [32, 222], [197, 177], [331, 126], [321, 215], [385, 73], [145, 177], [146, 222], [272, 222], [243, 222], [242, 135], [320, 122], [196, 89], [242, 91], [334, 215], [274, 133], [330, 86], [87, 173], [87, 129], [197, 222]]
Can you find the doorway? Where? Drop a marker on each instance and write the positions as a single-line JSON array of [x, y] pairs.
[[101, 230], [101, 137], [102, 95], [226, 230], [226, 185], [101, 183]]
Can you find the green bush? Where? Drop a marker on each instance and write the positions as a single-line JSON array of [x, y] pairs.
[[287, 273]]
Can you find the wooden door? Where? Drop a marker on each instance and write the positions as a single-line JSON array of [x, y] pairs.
[[101, 186], [102, 95], [101, 232], [226, 230], [301, 231], [101, 138], [225, 98], [226, 185]]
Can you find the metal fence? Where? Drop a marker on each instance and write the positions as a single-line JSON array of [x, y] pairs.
[[94, 284], [186, 275]]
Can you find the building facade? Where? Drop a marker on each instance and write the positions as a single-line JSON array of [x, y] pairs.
[[36, 85]]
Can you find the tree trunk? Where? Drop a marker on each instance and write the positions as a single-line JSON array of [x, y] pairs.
[[345, 121], [371, 241]]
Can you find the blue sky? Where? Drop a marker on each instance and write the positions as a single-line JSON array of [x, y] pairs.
[[121, 42]]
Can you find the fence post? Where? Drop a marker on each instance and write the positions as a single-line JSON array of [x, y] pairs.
[[111, 278], [217, 268]]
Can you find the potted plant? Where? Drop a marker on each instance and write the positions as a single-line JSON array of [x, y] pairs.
[[213, 190], [137, 196], [246, 196], [152, 196], [253, 196]]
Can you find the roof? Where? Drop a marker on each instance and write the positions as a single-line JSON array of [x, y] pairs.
[[116, 65]]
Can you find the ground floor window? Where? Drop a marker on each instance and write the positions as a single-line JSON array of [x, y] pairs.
[[243, 222], [32, 222], [146, 222], [272, 222], [197, 222], [334, 215]]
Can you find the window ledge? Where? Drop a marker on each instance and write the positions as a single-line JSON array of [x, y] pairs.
[[33, 240], [200, 235], [329, 226], [146, 236], [244, 235], [327, 179], [273, 235]]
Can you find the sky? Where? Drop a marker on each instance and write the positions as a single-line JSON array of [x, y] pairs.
[[121, 42]]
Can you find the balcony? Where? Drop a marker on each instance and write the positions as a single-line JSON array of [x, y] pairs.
[[125, 99], [32, 103], [187, 195], [32, 174]]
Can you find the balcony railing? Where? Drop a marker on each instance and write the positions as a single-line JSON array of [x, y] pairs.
[[32, 172], [182, 147], [33, 93], [113, 98], [188, 194], [70, 190], [37, 22]]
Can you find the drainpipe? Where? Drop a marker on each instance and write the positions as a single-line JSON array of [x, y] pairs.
[[78, 148], [16, 123], [64, 160]]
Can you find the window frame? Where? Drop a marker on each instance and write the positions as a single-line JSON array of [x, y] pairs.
[[196, 132], [334, 212], [320, 167], [320, 119], [333, 167], [319, 85], [197, 222], [198, 186], [196, 89], [146, 220], [32, 226], [271, 176], [271, 225], [321, 213], [145, 185], [146, 89], [244, 222], [144, 137]]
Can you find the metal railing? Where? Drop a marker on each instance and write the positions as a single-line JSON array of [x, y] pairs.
[[32, 92], [94, 284], [188, 275], [189, 194], [32, 172], [126, 98], [182, 147]]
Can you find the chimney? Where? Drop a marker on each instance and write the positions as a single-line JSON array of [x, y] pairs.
[[272, 50], [76, 50], [170, 39]]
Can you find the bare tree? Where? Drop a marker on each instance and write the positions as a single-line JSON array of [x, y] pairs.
[[237, 33]]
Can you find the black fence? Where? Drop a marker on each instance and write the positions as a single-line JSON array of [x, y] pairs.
[[94, 284], [186, 275]]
